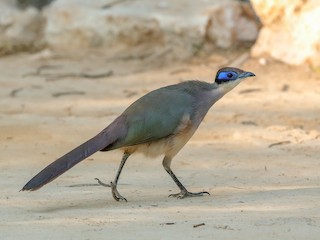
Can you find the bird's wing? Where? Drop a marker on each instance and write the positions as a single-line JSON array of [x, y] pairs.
[[156, 115]]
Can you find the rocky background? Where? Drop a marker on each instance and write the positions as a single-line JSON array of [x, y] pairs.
[[166, 30]]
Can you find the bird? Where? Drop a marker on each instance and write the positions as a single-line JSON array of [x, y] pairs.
[[159, 123]]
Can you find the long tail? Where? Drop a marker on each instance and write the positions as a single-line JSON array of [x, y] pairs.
[[67, 161]]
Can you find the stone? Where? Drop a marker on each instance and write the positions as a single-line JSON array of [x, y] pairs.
[[20, 29], [290, 32], [146, 27], [231, 22], [161, 30]]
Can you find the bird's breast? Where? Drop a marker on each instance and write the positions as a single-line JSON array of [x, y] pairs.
[[169, 145]]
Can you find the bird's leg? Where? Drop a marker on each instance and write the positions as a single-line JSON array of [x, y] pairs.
[[116, 195], [183, 191]]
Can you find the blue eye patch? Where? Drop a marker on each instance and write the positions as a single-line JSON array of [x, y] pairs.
[[226, 76]]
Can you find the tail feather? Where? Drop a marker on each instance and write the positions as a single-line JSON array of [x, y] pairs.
[[67, 161]]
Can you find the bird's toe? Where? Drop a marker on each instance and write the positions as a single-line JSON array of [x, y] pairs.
[[185, 194], [115, 194]]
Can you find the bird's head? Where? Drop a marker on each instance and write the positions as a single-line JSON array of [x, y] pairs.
[[227, 78]]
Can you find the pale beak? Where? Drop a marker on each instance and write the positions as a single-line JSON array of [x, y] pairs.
[[246, 74]]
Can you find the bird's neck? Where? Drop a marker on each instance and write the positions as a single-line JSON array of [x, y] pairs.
[[225, 88]]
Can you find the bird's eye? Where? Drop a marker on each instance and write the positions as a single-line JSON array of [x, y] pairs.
[[229, 75], [226, 76]]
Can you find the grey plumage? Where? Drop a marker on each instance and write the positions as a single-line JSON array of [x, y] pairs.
[[160, 122]]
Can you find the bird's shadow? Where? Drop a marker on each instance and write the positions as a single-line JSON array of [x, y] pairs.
[[152, 199], [136, 199]]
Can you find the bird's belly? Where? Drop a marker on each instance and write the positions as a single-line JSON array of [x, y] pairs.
[[155, 148], [169, 146]]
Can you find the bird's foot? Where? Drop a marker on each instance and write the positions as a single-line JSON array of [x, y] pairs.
[[185, 194], [116, 195], [102, 183]]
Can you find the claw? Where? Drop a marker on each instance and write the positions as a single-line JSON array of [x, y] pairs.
[[102, 183], [185, 194], [116, 195]]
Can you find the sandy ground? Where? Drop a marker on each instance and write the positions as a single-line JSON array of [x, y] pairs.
[[257, 153]]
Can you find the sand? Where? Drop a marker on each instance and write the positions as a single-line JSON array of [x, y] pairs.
[[257, 153]]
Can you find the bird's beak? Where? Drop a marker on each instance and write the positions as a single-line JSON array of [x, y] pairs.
[[246, 74]]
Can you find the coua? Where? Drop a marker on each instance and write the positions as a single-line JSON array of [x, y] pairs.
[[159, 123]]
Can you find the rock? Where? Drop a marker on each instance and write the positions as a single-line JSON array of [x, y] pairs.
[[74, 26], [20, 30], [158, 30], [231, 22], [147, 28], [291, 31]]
